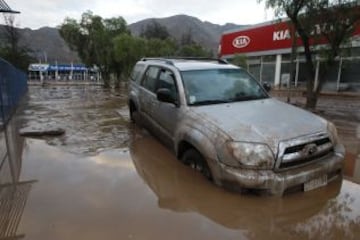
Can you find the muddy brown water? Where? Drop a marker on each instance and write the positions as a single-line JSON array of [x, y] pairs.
[[108, 179]]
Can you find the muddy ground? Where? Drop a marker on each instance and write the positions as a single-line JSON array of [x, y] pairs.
[[107, 179]]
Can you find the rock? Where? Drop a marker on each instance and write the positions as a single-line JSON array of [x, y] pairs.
[[41, 132]]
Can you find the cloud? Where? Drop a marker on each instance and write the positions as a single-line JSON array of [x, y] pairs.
[[38, 13]]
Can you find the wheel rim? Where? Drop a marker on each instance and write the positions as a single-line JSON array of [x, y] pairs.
[[197, 164]]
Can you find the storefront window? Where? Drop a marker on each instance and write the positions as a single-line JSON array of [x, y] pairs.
[[269, 58], [285, 74], [254, 69], [355, 52], [350, 74], [286, 57], [268, 72], [302, 75]]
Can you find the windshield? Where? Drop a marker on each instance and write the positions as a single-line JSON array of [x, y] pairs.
[[212, 86]]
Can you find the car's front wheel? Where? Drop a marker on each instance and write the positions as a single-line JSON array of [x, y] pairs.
[[132, 112], [197, 162]]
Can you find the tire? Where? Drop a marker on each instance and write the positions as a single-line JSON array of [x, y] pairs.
[[196, 161]]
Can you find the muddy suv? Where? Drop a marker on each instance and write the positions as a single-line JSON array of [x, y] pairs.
[[219, 120]]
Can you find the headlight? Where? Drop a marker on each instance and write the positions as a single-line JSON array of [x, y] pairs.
[[333, 133], [250, 155]]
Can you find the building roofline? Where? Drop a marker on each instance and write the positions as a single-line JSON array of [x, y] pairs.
[[234, 30], [355, 3]]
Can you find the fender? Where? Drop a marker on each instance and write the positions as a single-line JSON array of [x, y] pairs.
[[133, 97], [197, 139], [204, 145]]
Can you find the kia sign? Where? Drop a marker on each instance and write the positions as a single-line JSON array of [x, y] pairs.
[[269, 37], [265, 37], [241, 42]]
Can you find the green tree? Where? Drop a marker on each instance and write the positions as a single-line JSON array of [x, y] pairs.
[[115, 27], [160, 48], [10, 48], [337, 21], [187, 38], [92, 37], [296, 11], [333, 19], [193, 50], [128, 50]]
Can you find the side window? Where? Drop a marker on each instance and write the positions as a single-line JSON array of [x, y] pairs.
[[136, 73], [167, 80], [150, 77]]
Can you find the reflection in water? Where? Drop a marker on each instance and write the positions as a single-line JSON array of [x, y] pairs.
[[12, 203], [357, 163], [13, 192], [340, 219], [303, 215], [10, 153], [106, 194], [356, 173]]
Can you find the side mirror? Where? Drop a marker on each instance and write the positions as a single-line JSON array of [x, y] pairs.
[[267, 86], [164, 95]]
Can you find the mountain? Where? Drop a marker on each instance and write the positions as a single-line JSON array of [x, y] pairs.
[[205, 33], [46, 44]]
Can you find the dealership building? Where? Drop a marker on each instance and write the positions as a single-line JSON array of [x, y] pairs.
[[267, 47]]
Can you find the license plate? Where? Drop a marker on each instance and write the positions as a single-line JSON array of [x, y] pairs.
[[315, 183]]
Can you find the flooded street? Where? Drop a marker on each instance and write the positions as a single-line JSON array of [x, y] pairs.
[[108, 179], [94, 119]]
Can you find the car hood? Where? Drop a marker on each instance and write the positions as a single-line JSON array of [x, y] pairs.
[[266, 121]]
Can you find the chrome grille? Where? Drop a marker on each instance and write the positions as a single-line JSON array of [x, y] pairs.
[[304, 150]]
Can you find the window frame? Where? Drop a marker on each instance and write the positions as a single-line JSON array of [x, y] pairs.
[[144, 78]]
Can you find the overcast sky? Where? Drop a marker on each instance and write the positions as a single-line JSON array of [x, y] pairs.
[[39, 13]]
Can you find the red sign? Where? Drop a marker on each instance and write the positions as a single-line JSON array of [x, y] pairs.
[[270, 37]]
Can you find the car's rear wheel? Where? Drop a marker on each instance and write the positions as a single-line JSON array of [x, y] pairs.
[[197, 162]]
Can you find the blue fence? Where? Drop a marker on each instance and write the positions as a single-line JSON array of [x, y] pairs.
[[13, 85]]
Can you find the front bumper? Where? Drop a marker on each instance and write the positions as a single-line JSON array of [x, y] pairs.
[[277, 183]]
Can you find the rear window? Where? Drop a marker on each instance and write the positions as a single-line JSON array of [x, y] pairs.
[[136, 73], [150, 78]]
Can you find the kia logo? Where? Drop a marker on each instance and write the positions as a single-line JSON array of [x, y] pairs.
[[241, 42]]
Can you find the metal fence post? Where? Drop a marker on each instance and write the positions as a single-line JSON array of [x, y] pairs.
[[317, 75], [297, 71], [339, 75]]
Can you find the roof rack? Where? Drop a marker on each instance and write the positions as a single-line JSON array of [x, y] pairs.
[[219, 60], [167, 60]]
